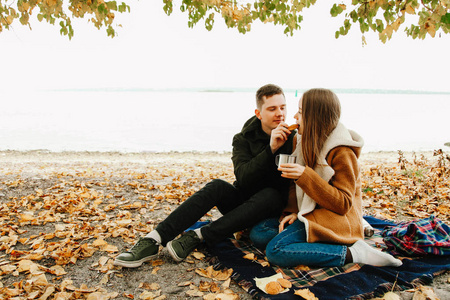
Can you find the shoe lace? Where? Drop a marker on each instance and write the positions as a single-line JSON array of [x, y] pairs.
[[188, 240], [142, 243]]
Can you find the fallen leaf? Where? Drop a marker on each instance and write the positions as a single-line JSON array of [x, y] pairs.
[[302, 268], [147, 295], [186, 283], [198, 255], [389, 296], [250, 256], [425, 293], [306, 294], [194, 293], [224, 296]]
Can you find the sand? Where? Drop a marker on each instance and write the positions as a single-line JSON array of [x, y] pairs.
[[123, 179]]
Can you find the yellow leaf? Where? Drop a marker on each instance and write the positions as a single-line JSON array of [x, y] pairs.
[[194, 293], [186, 283], [63, 296], [150, 286], [302, 268], [306, 294], [226, 283], [204, 286], [224, 296], [7, 268], [198, 255], [99, 243], [157, 262], [97, 296], [410, 10], [425, 292], [110, 248], [40, 280], [26, 217], [58, 270], [250, 256], [146, 295], [103, 260], [48, 292], [431, 29], [26, 265], [223, 274], [105, 279], [13, 292]]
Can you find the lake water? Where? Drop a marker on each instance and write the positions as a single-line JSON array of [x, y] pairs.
[[144, 120]]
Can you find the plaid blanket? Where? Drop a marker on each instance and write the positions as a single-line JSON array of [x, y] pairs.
[[352, 281], [416, 238]]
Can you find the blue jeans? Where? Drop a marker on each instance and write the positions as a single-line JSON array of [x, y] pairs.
[[290, 248]]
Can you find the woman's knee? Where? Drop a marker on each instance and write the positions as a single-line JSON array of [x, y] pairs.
[[262, 233], [274, 254]]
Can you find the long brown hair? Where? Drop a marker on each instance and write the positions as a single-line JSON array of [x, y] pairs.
[[321, 111]]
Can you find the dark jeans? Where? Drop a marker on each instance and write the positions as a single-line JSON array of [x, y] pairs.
[[238, 212]]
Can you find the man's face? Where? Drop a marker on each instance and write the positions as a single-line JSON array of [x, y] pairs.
[[272, 112]]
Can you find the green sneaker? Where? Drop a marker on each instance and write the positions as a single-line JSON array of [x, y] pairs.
[[144, 250], [180, 248]]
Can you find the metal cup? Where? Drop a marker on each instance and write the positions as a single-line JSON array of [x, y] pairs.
[[285, 159]]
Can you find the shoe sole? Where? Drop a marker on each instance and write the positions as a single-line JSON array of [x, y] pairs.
[[172, 252], [133, 264]]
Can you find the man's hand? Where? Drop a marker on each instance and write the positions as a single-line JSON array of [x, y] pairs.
[[287, 219], [279, 136], [291, 171]]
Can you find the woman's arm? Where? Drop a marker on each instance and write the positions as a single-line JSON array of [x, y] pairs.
[[337, 194]]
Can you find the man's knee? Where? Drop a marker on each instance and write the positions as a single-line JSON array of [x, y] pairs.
[[218, 182]]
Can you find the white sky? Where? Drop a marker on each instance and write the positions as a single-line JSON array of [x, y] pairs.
[[154, 50]]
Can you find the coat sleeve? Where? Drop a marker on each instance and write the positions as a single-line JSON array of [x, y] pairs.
[[337, 194], [250, 168]]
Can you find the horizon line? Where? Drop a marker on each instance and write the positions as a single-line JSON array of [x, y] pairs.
[[252, 90]]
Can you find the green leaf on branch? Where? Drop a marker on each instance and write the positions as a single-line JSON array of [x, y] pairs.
[[446, 19]]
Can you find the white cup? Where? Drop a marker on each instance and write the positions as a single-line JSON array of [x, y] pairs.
[[285, 159]]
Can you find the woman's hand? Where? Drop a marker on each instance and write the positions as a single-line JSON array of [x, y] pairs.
[[289, 219], [291, 171]]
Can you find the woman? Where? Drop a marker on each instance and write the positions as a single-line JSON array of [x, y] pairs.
[[322, 223]]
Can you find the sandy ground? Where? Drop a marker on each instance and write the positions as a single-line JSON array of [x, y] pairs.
[[124, 179]]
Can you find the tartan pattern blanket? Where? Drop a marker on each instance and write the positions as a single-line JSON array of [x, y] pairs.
[[352, 281], [417, 238]]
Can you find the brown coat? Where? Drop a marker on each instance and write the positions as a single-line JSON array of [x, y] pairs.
[[336, 212]]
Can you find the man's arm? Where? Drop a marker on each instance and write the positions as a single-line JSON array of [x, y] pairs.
[[250, 165]]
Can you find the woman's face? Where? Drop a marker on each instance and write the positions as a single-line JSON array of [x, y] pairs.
[[299, 117]]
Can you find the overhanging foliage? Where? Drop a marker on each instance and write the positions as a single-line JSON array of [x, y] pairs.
[[418, 18]]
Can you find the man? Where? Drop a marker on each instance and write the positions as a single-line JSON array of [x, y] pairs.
[[259, 191]]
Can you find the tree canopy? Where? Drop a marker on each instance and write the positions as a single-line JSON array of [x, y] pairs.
[[418, 18]]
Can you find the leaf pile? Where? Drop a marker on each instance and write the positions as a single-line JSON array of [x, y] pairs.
[[67, 218], [409, 189]]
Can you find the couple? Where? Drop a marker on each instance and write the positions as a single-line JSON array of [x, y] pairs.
[[306, 213]]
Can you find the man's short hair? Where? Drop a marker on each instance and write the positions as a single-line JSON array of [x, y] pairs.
[[267, 91]]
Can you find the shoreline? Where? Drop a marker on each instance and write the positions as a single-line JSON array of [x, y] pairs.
[[118, 156]]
